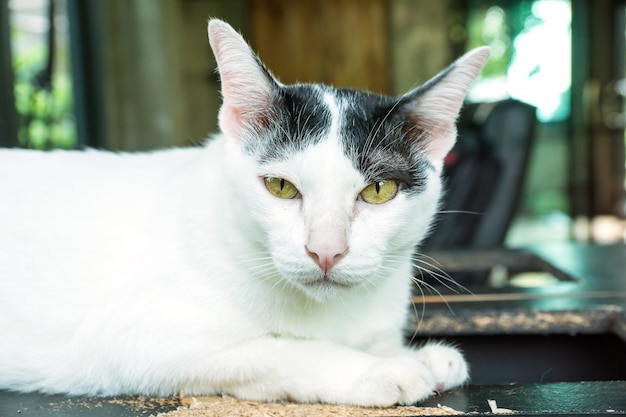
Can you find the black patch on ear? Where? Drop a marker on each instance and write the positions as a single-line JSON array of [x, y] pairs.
[[382, 140]]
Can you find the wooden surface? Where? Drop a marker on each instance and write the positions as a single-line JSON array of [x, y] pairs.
[[339, 42]]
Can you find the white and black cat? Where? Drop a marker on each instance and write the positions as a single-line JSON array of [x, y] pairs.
[[273, 263]]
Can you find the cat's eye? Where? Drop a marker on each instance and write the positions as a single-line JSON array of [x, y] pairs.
[[281, 188], [379, 192]]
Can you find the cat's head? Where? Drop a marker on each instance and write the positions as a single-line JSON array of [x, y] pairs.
[[341, 184]]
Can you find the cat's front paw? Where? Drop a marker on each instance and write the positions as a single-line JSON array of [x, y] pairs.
[[400, 380], [447, 364]]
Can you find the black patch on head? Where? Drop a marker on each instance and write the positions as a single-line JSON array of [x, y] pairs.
[[299, 119], [382, 140], [378, 133]]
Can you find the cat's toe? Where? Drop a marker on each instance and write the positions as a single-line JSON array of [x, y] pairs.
[[400, 380], [447, 364]]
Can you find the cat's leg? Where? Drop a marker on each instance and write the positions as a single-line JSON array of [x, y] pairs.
[[312, 371]]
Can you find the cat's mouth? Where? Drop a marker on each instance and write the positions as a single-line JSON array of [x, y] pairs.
[[328, 280], [326, 288], [315, 281], [325, 282]]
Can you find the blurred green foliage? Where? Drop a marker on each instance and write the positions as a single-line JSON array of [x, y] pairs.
[[45, 111], [497, 23]]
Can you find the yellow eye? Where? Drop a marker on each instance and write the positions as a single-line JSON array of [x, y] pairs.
[[281, 188], [379, 192]]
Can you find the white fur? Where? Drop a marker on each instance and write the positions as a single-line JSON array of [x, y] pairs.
[[151, 273]]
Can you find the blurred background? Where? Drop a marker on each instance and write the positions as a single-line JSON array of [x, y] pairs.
[[139, 75]]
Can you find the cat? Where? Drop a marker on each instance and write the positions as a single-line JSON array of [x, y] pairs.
[[273, 263]]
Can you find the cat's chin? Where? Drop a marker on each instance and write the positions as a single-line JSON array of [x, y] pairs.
[[324, 291]]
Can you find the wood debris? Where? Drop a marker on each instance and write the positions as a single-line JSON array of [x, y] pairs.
[[229, 406], [497, 410]]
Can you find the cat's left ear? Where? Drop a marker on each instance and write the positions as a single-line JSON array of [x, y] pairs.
[[247, 86], [432, 109]]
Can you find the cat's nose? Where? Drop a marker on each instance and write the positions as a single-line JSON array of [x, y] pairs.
[[326, 255]]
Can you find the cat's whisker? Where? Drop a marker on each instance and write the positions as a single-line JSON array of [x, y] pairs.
[[433, 267], [262, 265], [444, 279], [264, 274], [418, 317], [439, 273], [279, 282], [441, 276], [420, 283], [266, 256], [434, 270], [258, 264], [402, 258]]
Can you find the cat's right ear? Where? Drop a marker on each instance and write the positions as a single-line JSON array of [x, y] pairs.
[[433, 108], [247, 86]]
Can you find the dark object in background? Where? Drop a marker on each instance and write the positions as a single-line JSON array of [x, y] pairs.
[[484, 173]]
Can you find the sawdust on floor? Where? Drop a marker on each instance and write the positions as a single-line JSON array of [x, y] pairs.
[[229, 406]]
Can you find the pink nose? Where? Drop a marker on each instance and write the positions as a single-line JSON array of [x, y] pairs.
[[326, 256]]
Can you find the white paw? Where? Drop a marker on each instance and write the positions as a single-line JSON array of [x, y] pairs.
[[446, 363], [396, 380]]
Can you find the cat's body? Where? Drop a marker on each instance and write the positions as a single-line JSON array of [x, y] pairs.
[[178, 269]]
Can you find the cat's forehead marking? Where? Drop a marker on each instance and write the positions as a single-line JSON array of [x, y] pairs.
[[300, 118], [335, 114], [364, 127]]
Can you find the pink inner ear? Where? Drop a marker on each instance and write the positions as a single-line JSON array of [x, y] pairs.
[[235, 121], [436, 136], [440, 143], [230, 122]]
